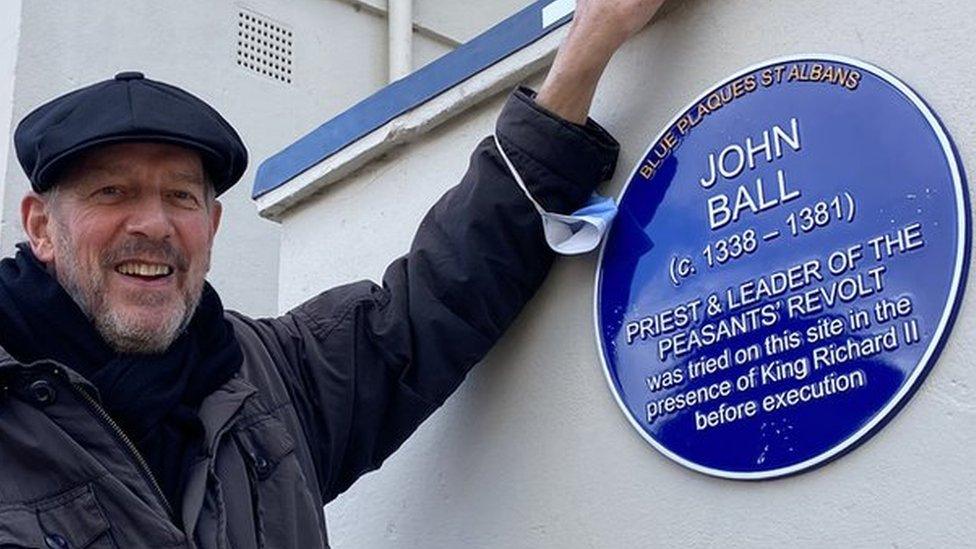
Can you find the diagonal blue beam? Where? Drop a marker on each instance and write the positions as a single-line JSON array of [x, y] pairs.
[[483, 51]]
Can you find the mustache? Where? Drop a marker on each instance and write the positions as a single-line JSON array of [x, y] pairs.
[[145, 248]]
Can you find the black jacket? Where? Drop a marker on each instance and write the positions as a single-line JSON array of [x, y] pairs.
[[326, 392]]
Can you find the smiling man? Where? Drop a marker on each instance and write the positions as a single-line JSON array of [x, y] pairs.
[[136, 412], [128, 230]]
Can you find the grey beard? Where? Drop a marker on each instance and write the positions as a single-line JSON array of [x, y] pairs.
[[121, 336], [136, 340]]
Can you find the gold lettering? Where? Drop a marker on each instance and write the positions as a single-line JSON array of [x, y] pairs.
[[828, 74], [840, 75], [795, 73], [816, 71], [669, 140], [738, 88], [714, 102], [683, 124], [726, 97], [779, 73], [750, 85]]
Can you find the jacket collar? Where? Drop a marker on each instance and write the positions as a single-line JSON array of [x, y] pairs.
[[6, 361], [9, 365]]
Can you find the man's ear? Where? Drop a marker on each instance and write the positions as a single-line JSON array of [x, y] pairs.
[[35, 215], [216, 211]]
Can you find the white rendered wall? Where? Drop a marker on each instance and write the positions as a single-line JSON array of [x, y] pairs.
[[9, 38], [533, 451], [460, 20], [465, 19]]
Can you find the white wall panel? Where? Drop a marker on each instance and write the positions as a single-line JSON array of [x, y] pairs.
[[532, 451]]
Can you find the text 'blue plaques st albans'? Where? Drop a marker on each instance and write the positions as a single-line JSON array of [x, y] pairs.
[[786, 265]]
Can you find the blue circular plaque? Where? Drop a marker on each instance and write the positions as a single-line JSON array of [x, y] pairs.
[[786, 264]]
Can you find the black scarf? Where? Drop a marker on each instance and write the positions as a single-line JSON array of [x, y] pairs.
[[154, 398]]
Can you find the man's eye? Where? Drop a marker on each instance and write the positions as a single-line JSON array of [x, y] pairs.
[[109, 191], [184, 196]]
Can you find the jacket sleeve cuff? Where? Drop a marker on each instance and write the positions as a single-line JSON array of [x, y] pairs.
[[560, 162]]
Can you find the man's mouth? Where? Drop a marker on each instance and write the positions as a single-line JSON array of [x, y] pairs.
[[144, 270]]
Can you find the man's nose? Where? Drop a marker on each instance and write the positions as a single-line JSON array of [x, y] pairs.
[[149, 218]]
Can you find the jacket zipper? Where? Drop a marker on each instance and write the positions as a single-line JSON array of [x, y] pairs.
[[127, 443]]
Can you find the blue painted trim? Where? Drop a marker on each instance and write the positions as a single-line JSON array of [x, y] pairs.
[[483, 51]]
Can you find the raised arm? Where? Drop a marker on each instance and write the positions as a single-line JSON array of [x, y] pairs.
[[367, 363]]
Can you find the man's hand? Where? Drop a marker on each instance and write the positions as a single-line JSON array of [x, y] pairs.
[[598, 29]]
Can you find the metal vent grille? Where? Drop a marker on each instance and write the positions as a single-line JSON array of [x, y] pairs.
[[264, 46]]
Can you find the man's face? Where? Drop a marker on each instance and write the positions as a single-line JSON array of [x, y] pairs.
[[128, 234]]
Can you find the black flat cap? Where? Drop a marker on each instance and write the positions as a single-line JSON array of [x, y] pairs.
[[127, 108]]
